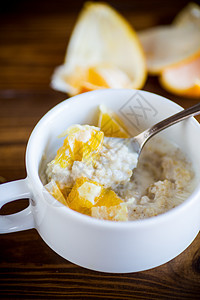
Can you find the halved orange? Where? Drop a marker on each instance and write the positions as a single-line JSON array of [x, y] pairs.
[[168, 45], [103, 52], [183, 78]]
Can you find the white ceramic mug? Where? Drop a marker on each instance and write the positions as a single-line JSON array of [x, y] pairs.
[[117, 247]]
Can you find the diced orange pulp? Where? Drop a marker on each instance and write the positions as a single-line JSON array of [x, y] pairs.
[[110, 124], [82, 143], [56, 192], [87, 194]]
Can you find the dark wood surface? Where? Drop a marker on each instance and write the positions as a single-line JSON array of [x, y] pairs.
[[33, 39]]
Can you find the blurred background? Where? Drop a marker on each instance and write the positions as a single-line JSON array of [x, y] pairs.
[[34, 34], [62, 6]]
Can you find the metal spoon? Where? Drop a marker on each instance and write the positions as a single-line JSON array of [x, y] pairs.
[[137, 142]]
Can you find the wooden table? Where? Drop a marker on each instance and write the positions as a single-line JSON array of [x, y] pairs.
[[33, 39]]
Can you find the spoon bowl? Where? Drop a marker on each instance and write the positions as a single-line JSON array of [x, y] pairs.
[[136, 143]]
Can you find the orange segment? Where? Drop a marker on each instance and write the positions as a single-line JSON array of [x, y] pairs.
[[55, 191], [183, 78], [82, 143], [110, 124], [108, 198], [113, 213], [84, 194], [87, 194], [64, 156]]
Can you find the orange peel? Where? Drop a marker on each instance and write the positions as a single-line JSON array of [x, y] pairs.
[[168, 45], [104, 51], [183, 78]]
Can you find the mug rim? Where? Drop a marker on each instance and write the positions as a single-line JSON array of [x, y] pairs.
[[34, 175]]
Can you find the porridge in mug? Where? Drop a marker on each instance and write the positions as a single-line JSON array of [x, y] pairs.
[[100, 177]]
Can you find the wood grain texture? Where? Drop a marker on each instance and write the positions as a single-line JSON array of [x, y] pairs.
[[33, 40]]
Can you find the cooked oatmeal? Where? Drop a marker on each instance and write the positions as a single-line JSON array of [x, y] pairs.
[[113, 166], [162, 179]]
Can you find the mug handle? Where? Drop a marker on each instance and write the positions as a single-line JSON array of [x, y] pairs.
[[22, 220]]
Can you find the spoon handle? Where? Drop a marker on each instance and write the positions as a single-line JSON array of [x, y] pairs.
[[189, 112]]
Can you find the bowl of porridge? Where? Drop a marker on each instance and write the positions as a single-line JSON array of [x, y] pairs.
[[91, 201]]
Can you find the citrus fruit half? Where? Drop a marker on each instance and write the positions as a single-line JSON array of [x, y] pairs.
[[103, 52], [183, 78], [168, 45]]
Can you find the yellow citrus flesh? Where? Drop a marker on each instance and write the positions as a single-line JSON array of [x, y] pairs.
[[82, 143], [78, 199], [103, 77], [108, 198], [103, 52], [183, 78], [86, 195], [110, 124], [56, 192]]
